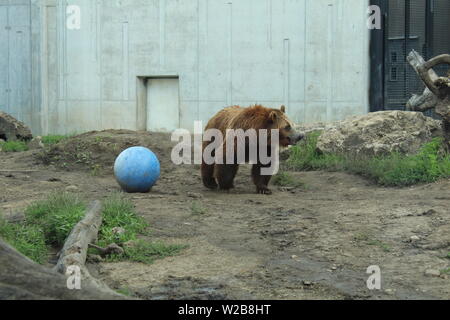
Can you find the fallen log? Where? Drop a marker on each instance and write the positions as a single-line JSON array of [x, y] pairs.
[[21, 278], [74, 252], [75, 248]]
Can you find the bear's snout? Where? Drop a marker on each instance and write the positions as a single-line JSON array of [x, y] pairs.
[[296, 137]]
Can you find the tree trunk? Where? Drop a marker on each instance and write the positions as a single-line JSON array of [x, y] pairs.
[[23, 279]]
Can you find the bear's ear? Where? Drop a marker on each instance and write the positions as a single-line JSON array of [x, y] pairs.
[[283, 109]]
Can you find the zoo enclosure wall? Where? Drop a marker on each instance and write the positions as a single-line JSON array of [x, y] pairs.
[[312, 56]]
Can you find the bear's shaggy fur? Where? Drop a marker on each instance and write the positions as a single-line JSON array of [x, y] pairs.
[[255, 117]]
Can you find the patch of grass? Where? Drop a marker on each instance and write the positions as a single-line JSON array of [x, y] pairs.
[[27, 239], [49, 222], [285, 179], [367, 240], [125, 291], [384, 246], [56, 215], [197, 209], [429, 165], [95, 170], [305, 157], [54, 139], [445, 271], [13, 146], [118, 212]]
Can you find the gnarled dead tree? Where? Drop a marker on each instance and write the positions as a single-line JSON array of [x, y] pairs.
[[437, 92]]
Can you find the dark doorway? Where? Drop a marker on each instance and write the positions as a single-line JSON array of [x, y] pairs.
[[422, 25]]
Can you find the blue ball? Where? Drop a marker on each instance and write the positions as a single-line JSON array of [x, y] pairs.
[[137, 169]]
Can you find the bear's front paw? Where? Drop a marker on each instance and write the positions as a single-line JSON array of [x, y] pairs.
[[263, 190]]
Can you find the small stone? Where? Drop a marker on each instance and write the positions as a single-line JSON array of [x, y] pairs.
[[194, 195], [414, 238], [429, 212], [72, 189], [36, 143], [432, 273], [294, 257], [307, 283], [389, 291], [118, 230]]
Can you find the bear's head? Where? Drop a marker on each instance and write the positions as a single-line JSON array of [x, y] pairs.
[[279, 120]]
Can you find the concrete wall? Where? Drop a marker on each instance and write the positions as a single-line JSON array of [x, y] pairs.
[[311, 55]]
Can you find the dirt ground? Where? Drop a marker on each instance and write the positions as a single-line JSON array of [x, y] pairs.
[[315, 242]]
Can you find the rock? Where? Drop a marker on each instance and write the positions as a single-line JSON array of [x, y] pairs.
[[118, 230], [432, 273], [429, 212], [12, 129], [72, 189], [194, 195], [36, 143], [317, 126], [414, 238], [390, 292], [380, 133]]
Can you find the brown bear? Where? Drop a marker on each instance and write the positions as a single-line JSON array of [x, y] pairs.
[[255, 117]]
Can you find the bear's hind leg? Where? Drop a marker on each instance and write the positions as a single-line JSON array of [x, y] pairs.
[[208, 176], [225, 174], [261, 181]]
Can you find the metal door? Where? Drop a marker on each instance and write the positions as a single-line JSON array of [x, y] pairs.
[[163, 104]]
